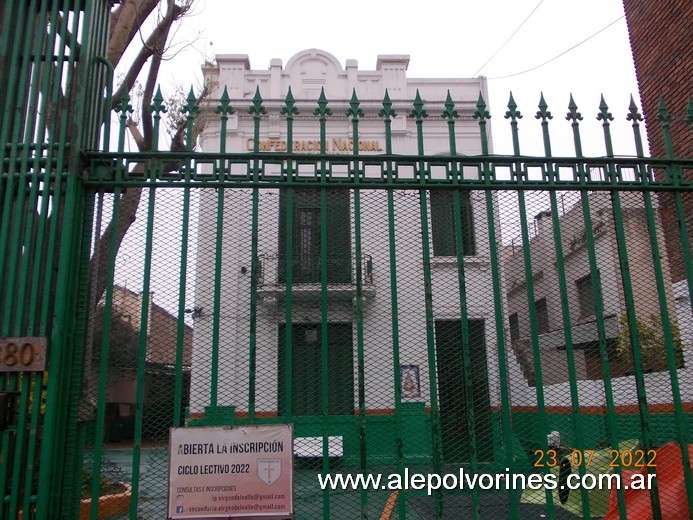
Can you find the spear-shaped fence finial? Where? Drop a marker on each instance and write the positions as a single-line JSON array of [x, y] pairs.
[[543, 113], [323, 111], [604, 114], [573, 114], [449, 113], [289, 109], [665, 118], [224, 108], [419, 112], [354, 111], [481, 113], [256, 109], [387, 111]]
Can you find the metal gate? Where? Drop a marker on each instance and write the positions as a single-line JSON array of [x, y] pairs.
[[429, 320]]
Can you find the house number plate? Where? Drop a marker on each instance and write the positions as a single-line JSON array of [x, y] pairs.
[[27, 354]]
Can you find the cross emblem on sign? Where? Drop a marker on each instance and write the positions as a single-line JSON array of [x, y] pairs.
[[269, 470]]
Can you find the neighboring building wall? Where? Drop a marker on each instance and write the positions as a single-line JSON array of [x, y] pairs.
[[161, 339], [661, 33], [660, 36], [583, 328]]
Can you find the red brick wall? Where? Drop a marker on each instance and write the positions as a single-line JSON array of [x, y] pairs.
[[661, 37]]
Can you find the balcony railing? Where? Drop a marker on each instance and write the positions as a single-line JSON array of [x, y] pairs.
[[306, 276]]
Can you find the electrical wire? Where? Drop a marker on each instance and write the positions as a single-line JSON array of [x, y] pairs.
[[564, 52], [509, 38]]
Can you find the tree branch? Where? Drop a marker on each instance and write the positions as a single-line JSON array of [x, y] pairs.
[[125, 21], [154, 45]]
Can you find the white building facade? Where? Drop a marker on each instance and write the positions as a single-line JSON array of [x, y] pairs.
[[370, 344]]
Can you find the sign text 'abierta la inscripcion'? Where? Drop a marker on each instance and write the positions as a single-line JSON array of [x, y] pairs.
[[222, 472]]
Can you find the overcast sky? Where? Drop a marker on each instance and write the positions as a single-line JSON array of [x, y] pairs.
[[443, 39]]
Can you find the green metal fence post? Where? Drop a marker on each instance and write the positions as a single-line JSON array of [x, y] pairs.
[[256, 110], [387, 113], [355, 112], [123, 109], [323, 112], [505, 407], [451, 114], [617, 212], [225, 110], [419, 113], [574, 116], [513, 114], [544, 114], [675, 175], [289, 110]]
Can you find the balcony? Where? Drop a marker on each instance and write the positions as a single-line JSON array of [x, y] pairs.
[[306, 277]]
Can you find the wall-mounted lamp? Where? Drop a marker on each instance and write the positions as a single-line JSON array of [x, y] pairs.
[[195, 311]]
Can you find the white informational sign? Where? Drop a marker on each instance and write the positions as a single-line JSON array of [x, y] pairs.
[[224, 472]]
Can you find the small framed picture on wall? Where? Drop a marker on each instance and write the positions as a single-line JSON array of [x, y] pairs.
[[409, 380]]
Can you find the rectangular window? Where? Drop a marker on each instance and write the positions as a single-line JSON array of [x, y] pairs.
[[443, 223], [514, 327], [306, 373], [306, 236], [542, 312], [585, 294]]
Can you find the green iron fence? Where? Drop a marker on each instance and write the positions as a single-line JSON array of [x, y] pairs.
[[503, 315], [497, 315], [50, 89]]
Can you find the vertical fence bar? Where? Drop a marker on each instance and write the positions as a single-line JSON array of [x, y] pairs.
[[451, 114], [419, 113], [73, 468], [19, 154], [355, 112], [29, 133], [142, 351], [289, 110], [67, 287], [156, 109], [190, 108], [619, 225], [21, 45], [123, 109], [93, 37], [387, 113], [505, 409], [676, 177], [38, 248], [225, 110], [69, 104], [16, 273], [513, 114], [574, 116], [552, 174], [323, 111], [256, 110]]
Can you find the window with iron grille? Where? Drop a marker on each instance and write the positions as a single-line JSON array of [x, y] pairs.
[[542, 312], [307, 237], [585, 293], [514, 327], [443, 223]]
